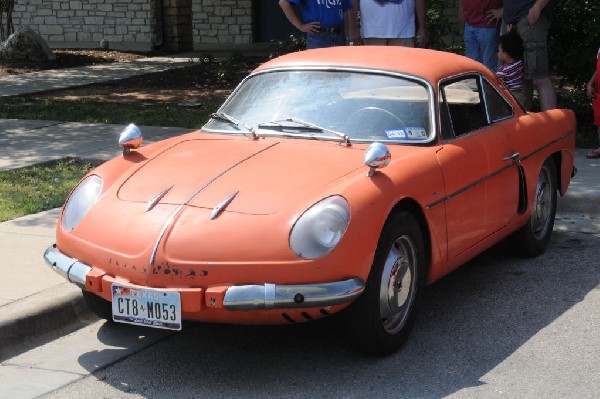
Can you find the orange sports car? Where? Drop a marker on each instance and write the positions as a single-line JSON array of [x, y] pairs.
[[331, 180]]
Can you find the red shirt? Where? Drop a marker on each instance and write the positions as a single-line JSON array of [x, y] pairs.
[[475, 10]]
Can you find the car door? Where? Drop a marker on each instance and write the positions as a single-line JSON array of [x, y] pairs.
[[478, 161]]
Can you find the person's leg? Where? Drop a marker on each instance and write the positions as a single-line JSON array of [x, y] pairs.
[[488, 47], [535, 59], [595, 153], [339, 39], [519, 96], [314, 40], [402, 41], [545, 90], [374, 41], [471, 43], [527, 94]]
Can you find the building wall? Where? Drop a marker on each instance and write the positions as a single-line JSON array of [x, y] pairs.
[[142, 25], [221, 23], [84, 23]]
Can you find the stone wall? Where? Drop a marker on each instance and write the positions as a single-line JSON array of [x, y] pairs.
[[222, 23], [84, 23], [142, 25], [139, 24]]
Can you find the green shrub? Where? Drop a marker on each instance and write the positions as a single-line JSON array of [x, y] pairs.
[[438, 25], [574, 39], [292, 43]]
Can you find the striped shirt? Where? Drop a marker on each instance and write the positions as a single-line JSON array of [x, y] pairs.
[[511, 74]]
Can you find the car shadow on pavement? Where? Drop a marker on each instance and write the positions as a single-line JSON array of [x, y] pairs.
[[470, 322]]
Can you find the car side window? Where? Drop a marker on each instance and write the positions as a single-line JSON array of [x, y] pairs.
[[463, 101], [497, 106]]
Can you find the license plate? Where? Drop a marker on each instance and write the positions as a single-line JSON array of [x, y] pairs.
[[146, 307]]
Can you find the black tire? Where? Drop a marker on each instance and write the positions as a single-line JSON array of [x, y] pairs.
[[99, 306], [380, 320], [532, 239]]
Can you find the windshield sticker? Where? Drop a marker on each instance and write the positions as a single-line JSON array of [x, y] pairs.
[[407, 133]]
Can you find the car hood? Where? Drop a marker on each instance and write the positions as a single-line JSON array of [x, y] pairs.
[[265, 175]]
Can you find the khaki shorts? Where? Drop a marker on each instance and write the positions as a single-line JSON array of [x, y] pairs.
[[535, 46], [376, 41]]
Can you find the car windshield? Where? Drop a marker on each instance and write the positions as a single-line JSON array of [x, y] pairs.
[[352, 106]]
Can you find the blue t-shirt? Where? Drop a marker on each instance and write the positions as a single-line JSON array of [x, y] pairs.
[[329, 13]]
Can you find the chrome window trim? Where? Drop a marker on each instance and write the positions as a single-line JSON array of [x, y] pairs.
[[512, 110], [480, 79], [433, 137]]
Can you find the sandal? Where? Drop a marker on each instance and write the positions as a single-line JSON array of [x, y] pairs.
[[594, 154]]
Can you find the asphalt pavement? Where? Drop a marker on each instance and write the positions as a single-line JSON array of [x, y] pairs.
[[37, 304]]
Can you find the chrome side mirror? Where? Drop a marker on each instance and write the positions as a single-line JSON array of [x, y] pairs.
[[377, 156], [130, 138]]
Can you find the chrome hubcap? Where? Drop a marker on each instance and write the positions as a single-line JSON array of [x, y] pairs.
[[542, 206], [398, 281]]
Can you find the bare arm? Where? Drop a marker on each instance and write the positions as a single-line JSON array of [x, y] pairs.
[[494, 14], [591, 86], [290, 14], [535, 10], [351, 23]]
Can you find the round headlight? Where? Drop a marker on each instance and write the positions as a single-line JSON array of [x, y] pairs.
[[80, 201], [320, 228]]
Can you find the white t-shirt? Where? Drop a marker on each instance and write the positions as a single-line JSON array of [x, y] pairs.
[[387, 19]]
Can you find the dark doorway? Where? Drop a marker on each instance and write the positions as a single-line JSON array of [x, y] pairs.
[[270, 23]]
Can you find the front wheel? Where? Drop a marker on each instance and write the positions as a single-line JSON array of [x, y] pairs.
[[381, 319], [532, 239]]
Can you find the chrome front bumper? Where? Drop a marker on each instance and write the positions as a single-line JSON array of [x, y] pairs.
[[69, 268], [240, 297]]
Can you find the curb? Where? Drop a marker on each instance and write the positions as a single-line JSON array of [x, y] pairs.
[[42, 317]]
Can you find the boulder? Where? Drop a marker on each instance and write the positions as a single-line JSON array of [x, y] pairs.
[[25, 44]]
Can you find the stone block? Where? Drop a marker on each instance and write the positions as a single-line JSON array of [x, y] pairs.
[[242, 39], [244, 20], [70, 37], [65, 14], [209, 40], [93, 20], [75, 5], [121, 29], [84, 36], [51, 30], [223, 11]]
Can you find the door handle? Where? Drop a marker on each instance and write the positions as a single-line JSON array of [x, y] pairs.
[[515, 157]]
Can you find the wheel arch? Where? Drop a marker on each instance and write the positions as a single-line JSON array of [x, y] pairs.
[[561, 183], [411, 206]]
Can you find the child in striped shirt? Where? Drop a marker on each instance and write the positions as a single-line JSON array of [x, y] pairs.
[[510, 54]]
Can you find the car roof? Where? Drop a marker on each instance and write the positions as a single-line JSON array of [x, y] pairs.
[[428, 64]]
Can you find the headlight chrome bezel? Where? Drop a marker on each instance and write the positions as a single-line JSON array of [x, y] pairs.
[[320, 228], [81, 200]]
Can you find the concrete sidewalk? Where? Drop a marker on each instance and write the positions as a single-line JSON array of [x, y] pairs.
[[36, 304], [35, 82]]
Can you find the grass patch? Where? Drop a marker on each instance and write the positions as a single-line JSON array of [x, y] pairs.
[[38, 188], [142, 114]]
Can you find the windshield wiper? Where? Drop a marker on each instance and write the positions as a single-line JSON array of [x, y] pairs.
[[222, 116], [281, 124]]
